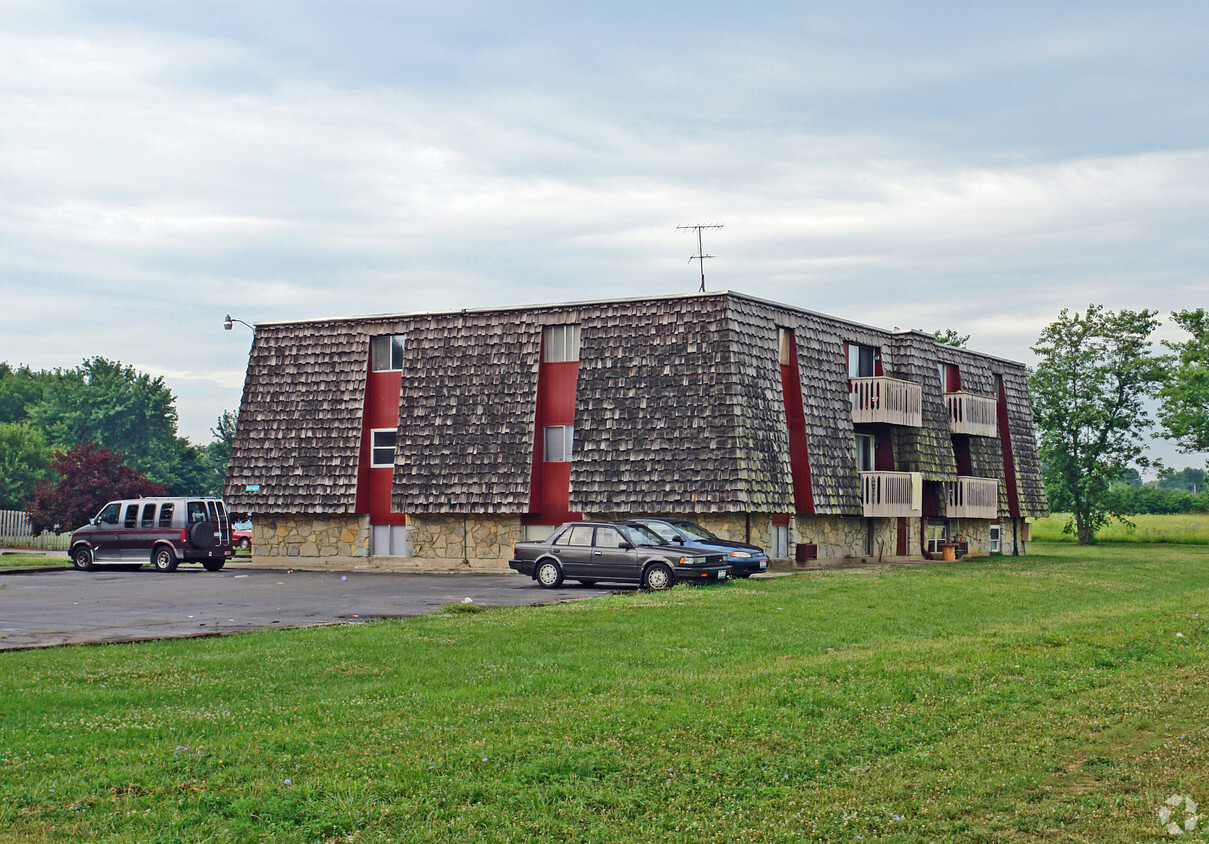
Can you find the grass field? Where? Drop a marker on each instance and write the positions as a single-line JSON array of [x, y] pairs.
[[17, 560], [1055, 698], [1183, 529]]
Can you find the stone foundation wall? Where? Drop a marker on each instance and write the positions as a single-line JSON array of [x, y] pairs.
[[475, 542], [283, 537], [484, 542], [977, 534]]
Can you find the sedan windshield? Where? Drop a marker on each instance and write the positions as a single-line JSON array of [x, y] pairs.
[[641, 535], [694, 531]]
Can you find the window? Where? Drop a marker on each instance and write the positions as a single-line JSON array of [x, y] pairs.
[[166, 515], [109, 515], [608, 538], [382, 449], [558, 439], [864, 453], [148, 519], [560, 343], [386, 353], [580, 535], [132, 515], [938, 532], [196, 512], [995, 539], [862, 361]]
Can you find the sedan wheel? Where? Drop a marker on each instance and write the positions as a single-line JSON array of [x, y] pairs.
[[164, 559], [81, 558], [658, 577], [549, 575]]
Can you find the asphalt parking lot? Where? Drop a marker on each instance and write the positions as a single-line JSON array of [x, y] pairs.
[[72, 607]]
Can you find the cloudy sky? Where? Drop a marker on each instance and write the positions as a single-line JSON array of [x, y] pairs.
[[975, 166]]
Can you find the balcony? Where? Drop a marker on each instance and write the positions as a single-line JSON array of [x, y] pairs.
[[973, 498], [890, 494], [970, 414], [886, 400]]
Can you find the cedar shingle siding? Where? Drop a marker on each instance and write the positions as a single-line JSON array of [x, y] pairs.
[[678, 409]]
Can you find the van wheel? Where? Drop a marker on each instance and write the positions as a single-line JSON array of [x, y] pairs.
[[164, 559], [81, 558], [213, 565]]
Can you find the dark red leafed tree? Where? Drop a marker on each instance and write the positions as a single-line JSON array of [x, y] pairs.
[[85, 478]]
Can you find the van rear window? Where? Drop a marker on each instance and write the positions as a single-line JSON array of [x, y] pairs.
[[196, 511]]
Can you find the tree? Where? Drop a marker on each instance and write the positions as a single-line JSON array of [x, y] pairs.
[[88, 476], [24, 461], [1184, 396], [116, 407], [19, 389], [949, 337], [1089, 389]]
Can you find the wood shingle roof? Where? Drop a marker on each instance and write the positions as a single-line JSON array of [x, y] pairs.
[[678, 408]]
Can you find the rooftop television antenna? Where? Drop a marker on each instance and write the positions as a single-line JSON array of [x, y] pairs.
[[700, 256]]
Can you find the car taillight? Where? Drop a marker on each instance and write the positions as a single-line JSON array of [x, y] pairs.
[[182, 536]]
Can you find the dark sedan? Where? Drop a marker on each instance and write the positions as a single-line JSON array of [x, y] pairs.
[[745, 559], [616, 552]]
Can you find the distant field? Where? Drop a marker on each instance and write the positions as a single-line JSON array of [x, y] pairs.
[[1183, 529], [1059, 697]]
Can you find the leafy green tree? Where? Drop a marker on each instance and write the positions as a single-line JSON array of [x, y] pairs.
[[1089, 394], [117, 407], [19, 389], [85, 478], [24, 463], [1184, 396], [949, 337]]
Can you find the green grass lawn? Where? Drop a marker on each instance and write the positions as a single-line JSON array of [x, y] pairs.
[[1060, 697], [1179, 529], [17, 560]]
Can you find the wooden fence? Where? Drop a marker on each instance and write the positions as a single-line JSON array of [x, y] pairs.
[[17, 532]]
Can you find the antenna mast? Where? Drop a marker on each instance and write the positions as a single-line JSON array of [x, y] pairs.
[[700, 256]]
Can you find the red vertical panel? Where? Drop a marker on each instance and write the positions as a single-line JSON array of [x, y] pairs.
[[1005, 443], [795, 421], [550, 485], [374, 482], [901, 543]]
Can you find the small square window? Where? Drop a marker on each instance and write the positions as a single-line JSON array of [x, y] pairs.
[[558, 442], [560, 343], [386, 353], [382, 451]]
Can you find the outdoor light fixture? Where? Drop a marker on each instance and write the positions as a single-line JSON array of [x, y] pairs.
[[230, 321]]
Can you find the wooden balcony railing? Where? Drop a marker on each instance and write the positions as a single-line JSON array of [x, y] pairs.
[[972, 414], [887, 400], [888, 494], [973, 498]]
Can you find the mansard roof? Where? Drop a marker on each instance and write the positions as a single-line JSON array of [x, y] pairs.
[[678, 408]]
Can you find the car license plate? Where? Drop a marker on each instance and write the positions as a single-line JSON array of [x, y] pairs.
[[763, 566], [722, 575]]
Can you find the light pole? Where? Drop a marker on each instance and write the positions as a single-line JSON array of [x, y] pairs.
[[230, 321]]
